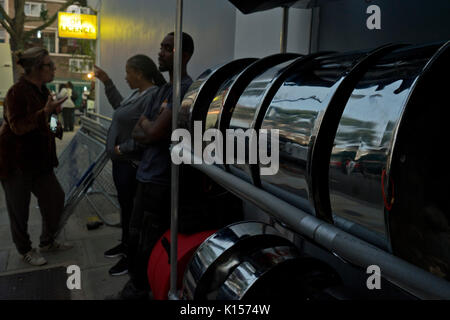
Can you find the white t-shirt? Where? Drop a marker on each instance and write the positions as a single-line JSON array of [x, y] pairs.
[[66, 92]]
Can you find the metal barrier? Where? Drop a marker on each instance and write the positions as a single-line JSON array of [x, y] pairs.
[[102, 184], [85, 170]]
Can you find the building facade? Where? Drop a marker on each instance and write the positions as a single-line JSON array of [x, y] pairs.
[[74, 58]]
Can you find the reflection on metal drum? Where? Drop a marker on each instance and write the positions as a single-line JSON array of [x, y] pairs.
[[296, 110], [247, 108], [219, 254], [364, 139]]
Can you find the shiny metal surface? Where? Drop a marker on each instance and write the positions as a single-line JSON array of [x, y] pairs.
[[188, 103], [200, 94], [243, 80], [418, 176], [257, 268], [420, 283], [296, 110], [212, 117], [246, 109], [221, 252], [364, 140]]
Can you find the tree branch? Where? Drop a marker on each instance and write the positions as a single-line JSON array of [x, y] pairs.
[[5, 17], [51, 19], [8, 28], [32, 19]]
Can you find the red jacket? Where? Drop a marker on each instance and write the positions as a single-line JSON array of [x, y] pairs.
[[26, 141]]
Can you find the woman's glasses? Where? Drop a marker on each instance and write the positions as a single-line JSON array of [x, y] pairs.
[[51, 65]]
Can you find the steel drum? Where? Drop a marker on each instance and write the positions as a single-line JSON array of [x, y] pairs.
[[365, 137], [218, 255], [196, 101], [361, 139], [243, 114], [279, 273]]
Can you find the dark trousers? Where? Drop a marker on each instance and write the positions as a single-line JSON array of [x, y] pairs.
[[124, 176], [149, 221], [68, 118], [18, 188]]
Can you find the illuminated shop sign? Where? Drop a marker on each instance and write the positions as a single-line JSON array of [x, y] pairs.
[[74, 25]]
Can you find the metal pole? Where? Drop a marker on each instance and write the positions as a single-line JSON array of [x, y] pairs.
[[175, 169], [98, 61], [284, 30]]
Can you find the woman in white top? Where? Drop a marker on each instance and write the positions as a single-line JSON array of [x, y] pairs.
[[68, 107]]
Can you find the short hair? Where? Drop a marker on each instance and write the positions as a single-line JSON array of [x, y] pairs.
[[33, 57], [144, 64], [187, 43]]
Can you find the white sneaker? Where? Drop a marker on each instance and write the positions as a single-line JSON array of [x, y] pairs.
[[56, 246], [34, 258]]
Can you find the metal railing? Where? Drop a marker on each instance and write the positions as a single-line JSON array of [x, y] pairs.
[[102, 184]]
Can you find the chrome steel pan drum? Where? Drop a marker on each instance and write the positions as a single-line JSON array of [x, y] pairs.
[[217, 256], [195, 104], [360, 181], [278, 273], [296, 110]]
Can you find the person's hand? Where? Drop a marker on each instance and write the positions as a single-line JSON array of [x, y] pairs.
[[100, 74], [143, 120], [117, 150], [53, 105], [59, 131]]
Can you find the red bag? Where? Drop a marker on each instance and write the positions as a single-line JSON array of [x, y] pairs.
[[158, 270]]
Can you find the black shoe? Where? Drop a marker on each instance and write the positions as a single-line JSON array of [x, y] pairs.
[[120, 267], [130, 292], [117, 251]]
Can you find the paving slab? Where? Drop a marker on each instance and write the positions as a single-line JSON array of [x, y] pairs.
[[76, 229], [97, 284], [97, 246]]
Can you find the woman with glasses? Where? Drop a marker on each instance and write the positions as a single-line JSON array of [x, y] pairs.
[[28, 155]]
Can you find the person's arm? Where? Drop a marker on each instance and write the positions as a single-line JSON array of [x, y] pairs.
[[149, 132], [128, 146], [21, 120], [113, 95]]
